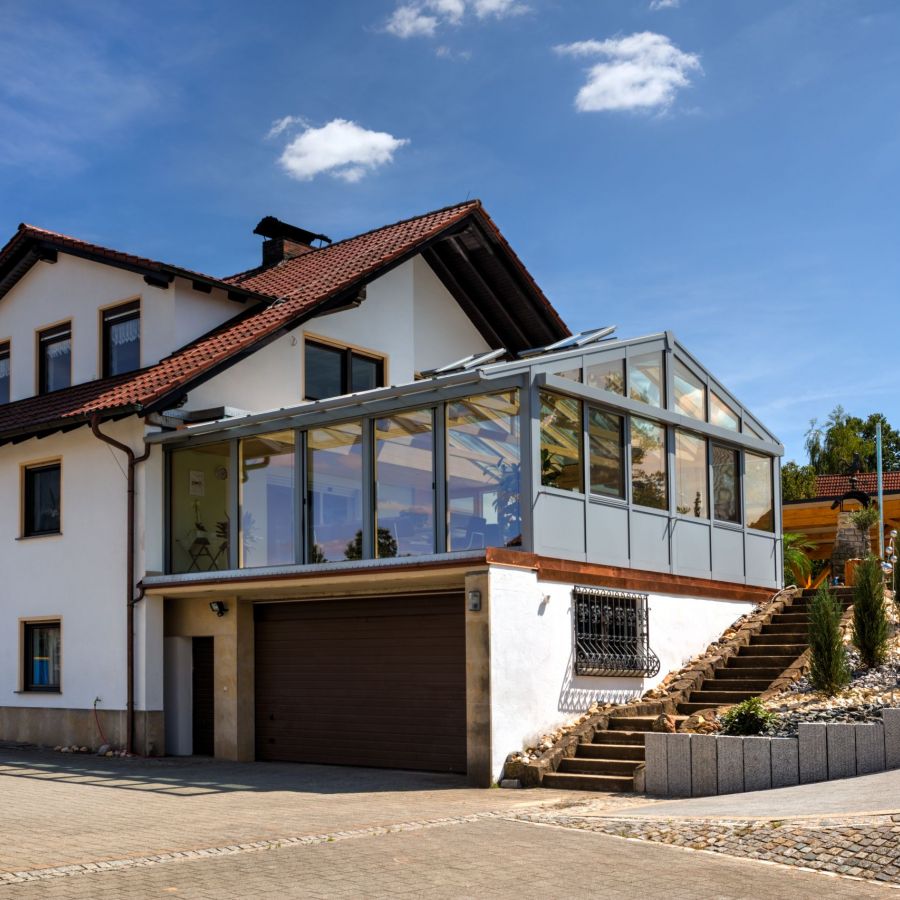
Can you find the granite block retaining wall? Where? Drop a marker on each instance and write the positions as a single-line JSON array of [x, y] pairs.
[[697, 765]]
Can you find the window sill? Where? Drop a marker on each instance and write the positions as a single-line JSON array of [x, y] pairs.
[[56, 692], [37, 537]]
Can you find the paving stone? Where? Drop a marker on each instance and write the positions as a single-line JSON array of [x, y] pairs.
[[704, 774], [757, 763], [869, 747], [891, 719], [730, 764], [656, 764], [813, 752], [841, 739], [678, 750], [785, 762]]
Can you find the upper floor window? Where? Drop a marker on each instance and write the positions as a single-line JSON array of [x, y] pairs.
[[332, 371], [55, 358], [4, 372], [41, 500], [122, 339]]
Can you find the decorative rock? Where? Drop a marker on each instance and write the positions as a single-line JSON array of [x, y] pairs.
[[704, 775], [103, 749], [510, 783], [785, 762], [678, 764], [841, 750], [813, 753], [109, 753], [869, 747], [757, 763], [664, 723], [656, 779], [704, 722], [730, 764]]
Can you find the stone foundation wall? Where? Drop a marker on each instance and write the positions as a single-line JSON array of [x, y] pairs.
[[698, 765], [53, 727]]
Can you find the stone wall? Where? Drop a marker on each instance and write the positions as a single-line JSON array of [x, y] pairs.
[[849, 543], [697, 765]]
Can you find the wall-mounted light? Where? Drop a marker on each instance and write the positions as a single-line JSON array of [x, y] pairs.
[[218, 607], [474, 601]]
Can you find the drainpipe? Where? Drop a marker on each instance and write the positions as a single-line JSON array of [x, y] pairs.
[[129, 566]]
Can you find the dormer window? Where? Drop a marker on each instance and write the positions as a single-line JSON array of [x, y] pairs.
[[122, 339], [331, 371], [4, 372], [55, 358]]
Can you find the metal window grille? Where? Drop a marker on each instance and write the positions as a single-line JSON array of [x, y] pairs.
[[612, 634]]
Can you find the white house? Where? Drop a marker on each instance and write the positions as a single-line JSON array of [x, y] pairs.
[[350, 506]]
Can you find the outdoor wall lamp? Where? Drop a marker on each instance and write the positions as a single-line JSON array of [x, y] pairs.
[[218, 607], [474, 599]]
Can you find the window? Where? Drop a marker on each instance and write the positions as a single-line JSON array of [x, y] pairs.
[[690, 394], [122, 339], [645, 379], [758, 494], [561, 441], [332, 371], [42, 656], [608, 376], [267, 500], [335, 492], [721, 414], [42, 500], [4, 372], [612, 635], [55, 358], [691, 474], [483, 472], [607, 438], [648, 464], [726, 493]]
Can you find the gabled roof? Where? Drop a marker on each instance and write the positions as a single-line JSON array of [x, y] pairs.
[[299, 288]]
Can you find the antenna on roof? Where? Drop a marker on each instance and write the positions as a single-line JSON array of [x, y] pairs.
[[582, 339], [468, 362]]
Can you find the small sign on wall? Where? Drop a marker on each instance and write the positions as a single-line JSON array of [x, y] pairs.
[[197, 483]]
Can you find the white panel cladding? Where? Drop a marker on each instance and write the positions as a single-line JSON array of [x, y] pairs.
[[533, 688]]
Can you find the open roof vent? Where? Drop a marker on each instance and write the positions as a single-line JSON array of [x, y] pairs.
[[468, 362], [582, 339]]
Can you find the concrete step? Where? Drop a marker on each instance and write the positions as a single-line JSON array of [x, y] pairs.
[[793, 618], [759, 640], [690, 708], [718, 698], [756, 685], [784, 650], [763, 666], [632, 723], [785, 628], [625, 738], [572, 782], [612, 751], [583, 766]]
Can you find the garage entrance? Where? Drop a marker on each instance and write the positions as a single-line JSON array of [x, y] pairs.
[[363, 682]]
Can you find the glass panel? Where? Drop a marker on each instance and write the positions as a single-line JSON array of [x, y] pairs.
[[726, 496], [56, 362], [267, 500], [721, 414], [645, 378], [4, 373], [199, 518], [690, 393], [404, 484], [561, 440], [607, 435], [648, 464], [43, 657], [571, 374], [749, 429], [123, 344], [42, 500], [608, 376], [691, 473], [758, 496], [324, 369], [335, 490], [365, 373]]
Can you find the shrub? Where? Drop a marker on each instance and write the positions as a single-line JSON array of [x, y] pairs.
[[828, 671], [797, 565], [870, 621], [748, 717], [865, 520]]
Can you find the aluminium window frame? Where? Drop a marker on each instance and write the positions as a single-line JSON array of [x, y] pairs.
[[26, 657], [45, 338], [26, 497], [117, 314], [347, 352]]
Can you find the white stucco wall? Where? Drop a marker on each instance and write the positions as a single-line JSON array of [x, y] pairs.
[[533, 688]]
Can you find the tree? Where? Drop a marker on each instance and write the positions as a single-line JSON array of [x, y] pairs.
[[828, 669], [865, 520], [832, 448], [870, 622], [797, 482], [797, 565]]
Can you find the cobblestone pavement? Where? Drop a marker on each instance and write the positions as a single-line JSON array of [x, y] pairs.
[[491, 857]]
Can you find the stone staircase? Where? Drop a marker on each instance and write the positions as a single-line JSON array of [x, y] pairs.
[[608, 762]]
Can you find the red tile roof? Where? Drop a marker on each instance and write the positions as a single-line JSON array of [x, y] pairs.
[[300, 285], [838, 485]]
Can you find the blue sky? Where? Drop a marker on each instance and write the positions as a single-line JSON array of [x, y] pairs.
[[727, 170]]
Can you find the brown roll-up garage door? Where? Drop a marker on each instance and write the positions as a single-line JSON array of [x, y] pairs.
[[363, 682]]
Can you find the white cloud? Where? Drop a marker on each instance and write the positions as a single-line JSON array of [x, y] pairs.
[[640, 71], [664, 4], [422, 18], [281, 125], [341, 148]]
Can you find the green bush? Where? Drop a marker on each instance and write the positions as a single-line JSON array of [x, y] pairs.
[[748, 717], [828, 671], [870, 621]]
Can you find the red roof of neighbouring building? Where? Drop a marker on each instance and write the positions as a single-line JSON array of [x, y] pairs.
[[290, 292], [838, 485]]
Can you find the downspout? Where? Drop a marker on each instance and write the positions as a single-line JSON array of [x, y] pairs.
[[129, 566]]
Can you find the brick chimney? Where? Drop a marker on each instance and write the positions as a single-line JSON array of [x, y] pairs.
[[284, 241]]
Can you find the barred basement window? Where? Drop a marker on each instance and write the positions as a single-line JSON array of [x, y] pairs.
[[612, 635]]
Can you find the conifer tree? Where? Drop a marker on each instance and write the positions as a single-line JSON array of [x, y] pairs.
[[828, 670], [870, 621]]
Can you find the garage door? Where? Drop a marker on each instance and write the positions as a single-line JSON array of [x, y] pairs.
[[368, 682]]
